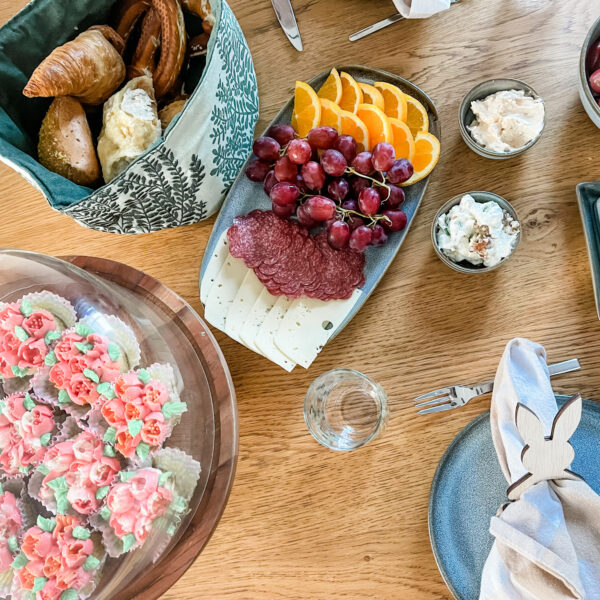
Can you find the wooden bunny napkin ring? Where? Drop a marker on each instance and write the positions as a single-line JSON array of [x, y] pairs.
[[546, 458]]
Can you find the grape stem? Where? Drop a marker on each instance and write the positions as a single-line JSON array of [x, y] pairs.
[[345, 212], [352, 171]]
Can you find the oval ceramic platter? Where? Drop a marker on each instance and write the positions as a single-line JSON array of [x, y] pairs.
[[469, 487], [246, 196]]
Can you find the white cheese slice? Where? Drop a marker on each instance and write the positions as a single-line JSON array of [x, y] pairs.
[[265, 337], [308, 324], [255, 317], [243, 302], [214, 266], [226, 284]]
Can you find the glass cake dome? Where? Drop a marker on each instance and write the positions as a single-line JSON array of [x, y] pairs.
[[167, 331]]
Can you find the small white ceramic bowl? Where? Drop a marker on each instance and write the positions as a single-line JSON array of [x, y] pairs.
[[585, 93], [479, 196], [466, 116]]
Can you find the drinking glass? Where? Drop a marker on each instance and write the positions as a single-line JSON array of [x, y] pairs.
[[345, 409]]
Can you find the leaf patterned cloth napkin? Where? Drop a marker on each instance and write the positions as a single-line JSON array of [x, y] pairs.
[[420, 9], [547, 543]]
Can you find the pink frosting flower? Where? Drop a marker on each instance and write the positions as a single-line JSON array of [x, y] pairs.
[[104, 471], [39, 323], [65, 348], [154, 431], [36, 543], [81, 390], [135, 411], [10, 342], [10, 317], [15, 406], [120, 499], [84, 445], [10, 523], [38, 421], [126, 443], [155, 395], [123, 523], [83, 499], [142, 528], [144, 483], [64, 527], [60, 374], [50, 591], [32, 353], [128, 386], [76, 551], [114, 412]]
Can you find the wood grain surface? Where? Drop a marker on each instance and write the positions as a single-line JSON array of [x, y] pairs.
[[307, 523]]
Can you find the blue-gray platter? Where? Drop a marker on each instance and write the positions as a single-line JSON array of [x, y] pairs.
[[588, 197], [246, 195], [468, 488]]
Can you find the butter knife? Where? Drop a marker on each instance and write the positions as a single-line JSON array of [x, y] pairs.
[[287, 20]]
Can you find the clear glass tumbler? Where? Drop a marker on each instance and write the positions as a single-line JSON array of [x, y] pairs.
[[345, 409]]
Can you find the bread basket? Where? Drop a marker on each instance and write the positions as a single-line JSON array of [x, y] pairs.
[[184, 176]]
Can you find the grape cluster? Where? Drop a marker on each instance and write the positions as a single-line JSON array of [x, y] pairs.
[[322, 179]]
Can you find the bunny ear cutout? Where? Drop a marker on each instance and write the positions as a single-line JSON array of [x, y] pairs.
[[529, 426], [567, 419]]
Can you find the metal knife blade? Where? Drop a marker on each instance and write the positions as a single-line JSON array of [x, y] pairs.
[[287, 20]]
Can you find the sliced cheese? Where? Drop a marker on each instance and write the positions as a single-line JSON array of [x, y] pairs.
[[265, 337], [243, 302], [214, 266], [222, 293], [255, 318], [308, 324]]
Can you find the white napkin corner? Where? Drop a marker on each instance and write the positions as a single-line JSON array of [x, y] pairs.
[[420, 9]]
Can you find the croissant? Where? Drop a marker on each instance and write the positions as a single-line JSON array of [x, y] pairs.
[[88, 68], [170, 111], [203, 10]]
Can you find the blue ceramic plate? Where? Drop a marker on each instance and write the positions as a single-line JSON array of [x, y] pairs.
[[588, 197], [246, 195], [468, 488]]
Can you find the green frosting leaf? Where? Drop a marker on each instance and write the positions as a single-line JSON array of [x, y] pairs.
[[171, 529], [82, 347], [39, 583], [21, 333], [25, 307], [46, 524], [45, 439], [106, 389], [28, 402], [13, 543], [18, 372], [171, 409], [109, 451], [1, 489], [24, 469], [135, 426], [51, 336], [2, 405], [105, 513], [91, 563], [144, 376], [63, 397], [114, 352], [129, 542], [126, 475], [69, 594], [43, 469], [19, 561], [110, 436], [62, 504], [142, 450], [179, 504], [83, 330], [50, 359], [163, 478], [102, 492], [91, 375], [81, 533], [59, 484]]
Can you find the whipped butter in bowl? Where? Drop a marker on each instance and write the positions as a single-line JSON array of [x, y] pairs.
[[501, 118], [475, 232]]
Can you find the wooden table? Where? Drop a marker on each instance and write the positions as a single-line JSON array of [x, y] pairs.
[[304, 522]]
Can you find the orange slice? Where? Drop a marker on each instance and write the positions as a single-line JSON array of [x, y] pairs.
[[331, 115], [377, 123], [371, 95], [307, 109], [427, 153], [332, 88], [351, 93], [403, 143], [352, 125], [394, 100], [416, 116]]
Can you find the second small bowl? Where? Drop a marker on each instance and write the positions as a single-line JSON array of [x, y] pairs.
[[466, 116], [479, 196]]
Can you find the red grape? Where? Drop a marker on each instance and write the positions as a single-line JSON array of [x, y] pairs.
[[285, 170], [304, 218], [369, 201], [354, 222], [350, 205], [322, 137], [338, 235], [379, 237], [266, 148], [595, 81], [346, 144], [360, 238], [285, 212], [257, 169], [392, 195], [338, 189], [358, 184], [284, 134], [284, 193], [592, 60], [362, 163], [313, 175], [270, 181], [300, 184], [383, 156], [400, 171], [320, 208], [333, 162], [299, 151], [397, 218]]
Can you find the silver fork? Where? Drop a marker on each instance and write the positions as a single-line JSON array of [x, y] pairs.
[[458, 395]]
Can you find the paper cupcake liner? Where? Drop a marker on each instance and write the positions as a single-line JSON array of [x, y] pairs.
[[16, 385], [60, 307], [185, 470]]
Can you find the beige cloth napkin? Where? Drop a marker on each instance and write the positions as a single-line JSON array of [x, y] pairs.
[[420, 9], [547, 544]]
